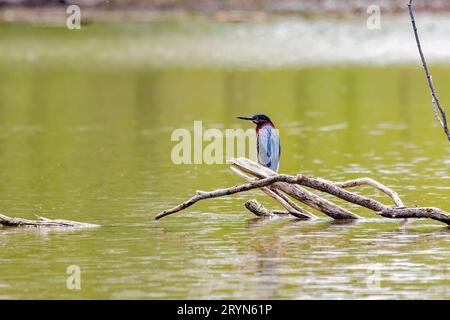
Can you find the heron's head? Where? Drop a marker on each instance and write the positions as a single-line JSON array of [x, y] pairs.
[[258, 119]]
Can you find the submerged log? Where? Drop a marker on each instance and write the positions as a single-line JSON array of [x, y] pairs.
[[260, 211], [280, 186], [42, 222], [291, 207]]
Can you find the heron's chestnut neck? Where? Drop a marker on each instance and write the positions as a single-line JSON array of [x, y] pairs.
[[262, 124]]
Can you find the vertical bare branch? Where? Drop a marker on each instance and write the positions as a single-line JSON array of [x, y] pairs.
[[439, 111]]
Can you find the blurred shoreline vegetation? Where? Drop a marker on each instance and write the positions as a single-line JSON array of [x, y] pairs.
[[196, 43], [219, 34], [53, 11]]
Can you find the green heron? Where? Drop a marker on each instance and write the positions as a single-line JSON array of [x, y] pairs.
[[267, 141]]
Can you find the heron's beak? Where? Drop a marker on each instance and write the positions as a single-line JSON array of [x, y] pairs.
[[245, 118]]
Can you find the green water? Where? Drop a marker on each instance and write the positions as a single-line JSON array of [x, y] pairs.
[[93, 145]]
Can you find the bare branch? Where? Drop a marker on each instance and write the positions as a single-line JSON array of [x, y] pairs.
[[287, 203], [405, 213], [439, 112], [368, 181], [328, 187], [279, 183], [201, 195], [296, 211], [296, 192], [300, 194]]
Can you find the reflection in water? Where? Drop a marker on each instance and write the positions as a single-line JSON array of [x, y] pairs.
[[96, 147], [268, 254]]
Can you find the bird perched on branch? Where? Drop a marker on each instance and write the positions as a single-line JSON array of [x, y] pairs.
[[267, 141]]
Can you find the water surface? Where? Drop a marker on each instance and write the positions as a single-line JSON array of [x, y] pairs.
[[93, 144]]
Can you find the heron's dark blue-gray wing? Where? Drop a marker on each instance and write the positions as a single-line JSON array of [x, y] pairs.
[[269, 148]]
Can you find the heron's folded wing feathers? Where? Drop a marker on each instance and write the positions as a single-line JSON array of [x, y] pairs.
[[269, 147]]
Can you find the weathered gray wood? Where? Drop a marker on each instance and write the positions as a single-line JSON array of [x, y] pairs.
[[338, 191], [288, 186], [370, 182], [328, 187], [291, 207], [201, 195], [418, 213], [296, 210], [258, 209], [277, 184], [42, 222]]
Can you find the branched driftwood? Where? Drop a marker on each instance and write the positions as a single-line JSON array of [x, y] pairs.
[[281, 186], [288, 187], [291, 207], [438, 110], [42, 222]]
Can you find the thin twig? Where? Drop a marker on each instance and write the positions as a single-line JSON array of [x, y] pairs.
[[441, 115]]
